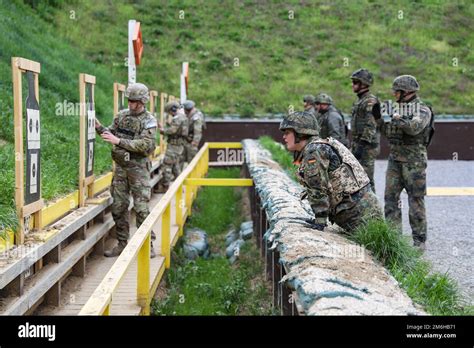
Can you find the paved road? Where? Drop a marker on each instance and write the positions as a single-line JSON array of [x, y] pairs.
[[450, 243]]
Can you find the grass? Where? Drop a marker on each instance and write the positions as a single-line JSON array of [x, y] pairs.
[[281, 59], [214, 286], [25, 34], [437, 293], [279, 154], [245, 57]]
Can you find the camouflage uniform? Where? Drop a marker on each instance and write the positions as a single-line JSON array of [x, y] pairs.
[[337, 186], [365, 133], [331, 121], [195, 128], [408, 137], [132, 171], [176, 133], [310, 108]]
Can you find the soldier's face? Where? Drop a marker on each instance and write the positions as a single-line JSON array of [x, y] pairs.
[[355, 86], [397, 95], [289, 139], [135, 106]]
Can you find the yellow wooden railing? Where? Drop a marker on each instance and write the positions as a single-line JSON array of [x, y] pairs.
[[139, 245]]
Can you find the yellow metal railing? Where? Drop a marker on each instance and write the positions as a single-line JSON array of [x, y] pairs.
[[139, 245]]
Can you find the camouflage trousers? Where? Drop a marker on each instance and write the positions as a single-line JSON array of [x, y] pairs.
[[366, 155], [365, 207], [135, 180], [190, 152], [172, 163], [410, 176]]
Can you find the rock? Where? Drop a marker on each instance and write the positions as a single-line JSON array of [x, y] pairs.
[[231, 236], [196, 244], [246, 230], [234, 248]]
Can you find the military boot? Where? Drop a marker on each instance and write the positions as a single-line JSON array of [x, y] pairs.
[[117, 250], [420, 245]]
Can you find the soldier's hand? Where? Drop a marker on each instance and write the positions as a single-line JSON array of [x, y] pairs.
[[195, 143], [396, 117], [110, 138], [316, 225], [97, 123]]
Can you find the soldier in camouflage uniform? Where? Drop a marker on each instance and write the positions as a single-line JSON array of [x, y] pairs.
[[331, 120], [337, 186], [409, 133], [195, 128], [176, 133], [132, 135], [365, 133], [308, 104]]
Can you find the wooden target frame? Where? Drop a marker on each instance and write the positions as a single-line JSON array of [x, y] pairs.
[[119, 98], [86, 137], [154, 110], [163, 98], [28, 192]]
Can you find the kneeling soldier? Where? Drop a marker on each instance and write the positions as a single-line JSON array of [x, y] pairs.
[[337, 186]]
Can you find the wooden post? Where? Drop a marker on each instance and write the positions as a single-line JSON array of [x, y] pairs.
[[19, 66], [162, 119], [165, 235], [143, 273], [85, 181], [179, 210], [119, 89]]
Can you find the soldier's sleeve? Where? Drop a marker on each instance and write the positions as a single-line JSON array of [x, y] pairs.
[[112, 128], [173, 127], [370, 130], [382, 125], [334, 126], [197, 126], [418, 123], [317, 179], [146, 140]]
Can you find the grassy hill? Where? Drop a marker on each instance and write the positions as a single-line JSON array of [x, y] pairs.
[[280, 59], [245, 57]]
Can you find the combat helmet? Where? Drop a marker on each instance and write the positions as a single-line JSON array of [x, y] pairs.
[[137, 92], [171, 106], [188, 105], [302, 122], [308, 99], [364, 76], [406, 83], [323, 98]]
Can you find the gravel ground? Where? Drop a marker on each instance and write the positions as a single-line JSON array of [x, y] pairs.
[[450, 242]]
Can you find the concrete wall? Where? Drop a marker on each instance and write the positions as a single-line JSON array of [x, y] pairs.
[[451, 138]]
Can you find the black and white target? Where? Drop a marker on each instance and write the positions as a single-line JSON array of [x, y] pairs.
[[33, 144]]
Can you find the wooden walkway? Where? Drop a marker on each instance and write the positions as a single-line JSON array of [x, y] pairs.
[[76, 291]]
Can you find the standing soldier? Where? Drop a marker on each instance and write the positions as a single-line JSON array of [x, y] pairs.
[[176, 133], [365, 134], [331, 120], [336, 185], [195, 126], [132, 135], [308, 104], [409, 133]]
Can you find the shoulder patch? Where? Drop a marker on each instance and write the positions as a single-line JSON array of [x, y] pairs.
[[196, 117], [151, 123]]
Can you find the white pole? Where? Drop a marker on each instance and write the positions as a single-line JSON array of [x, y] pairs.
[[183, 89], [183, 82], [132, 68]]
